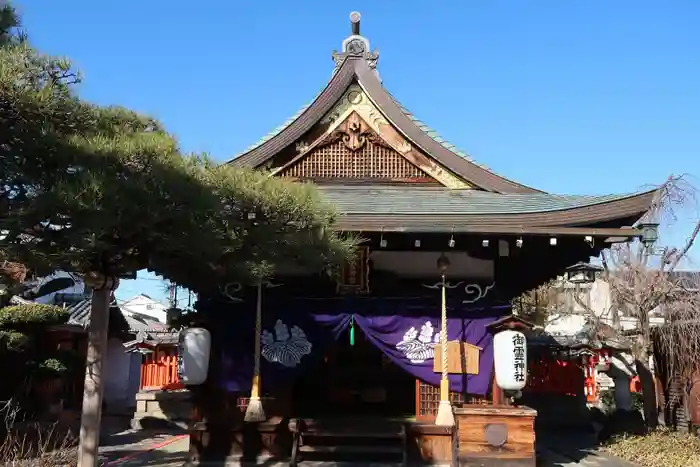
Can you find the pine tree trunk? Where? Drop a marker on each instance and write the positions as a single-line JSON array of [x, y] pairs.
[[94, 388]]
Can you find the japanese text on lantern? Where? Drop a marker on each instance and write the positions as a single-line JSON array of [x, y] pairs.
[[519, 358]]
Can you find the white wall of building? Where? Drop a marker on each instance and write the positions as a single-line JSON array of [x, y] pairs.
[[598, 298], [143, 305], [117, 372]]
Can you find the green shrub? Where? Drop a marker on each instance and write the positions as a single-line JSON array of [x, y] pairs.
[[52, 366], [13, 340], [71, 359], [21, 316]]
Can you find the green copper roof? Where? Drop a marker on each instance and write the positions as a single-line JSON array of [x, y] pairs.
[[436, 201], [280, 128], [430, 132], [422, 125]]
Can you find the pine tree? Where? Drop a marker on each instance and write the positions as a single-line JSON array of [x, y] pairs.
[[104, 191], [91, 188]]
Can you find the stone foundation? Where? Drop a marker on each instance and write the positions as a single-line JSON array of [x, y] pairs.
[[162, 409]]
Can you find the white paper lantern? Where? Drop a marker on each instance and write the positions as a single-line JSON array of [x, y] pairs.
[[193, 355], [510, 360]]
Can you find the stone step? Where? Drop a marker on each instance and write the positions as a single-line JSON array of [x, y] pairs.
[[343, 449], [350, 433]]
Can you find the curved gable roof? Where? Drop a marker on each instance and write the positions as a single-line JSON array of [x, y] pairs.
[[356, 69]]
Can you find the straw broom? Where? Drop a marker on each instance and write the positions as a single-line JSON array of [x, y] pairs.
[[255, 412], [445, 416]]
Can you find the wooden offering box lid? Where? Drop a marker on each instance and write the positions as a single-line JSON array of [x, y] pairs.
[[496, 410]]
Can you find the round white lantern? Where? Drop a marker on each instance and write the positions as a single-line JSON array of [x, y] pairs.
[[510, 360], [193, 355]]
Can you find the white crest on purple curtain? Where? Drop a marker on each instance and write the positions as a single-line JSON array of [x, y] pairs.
[[284, 346], [419, 347]]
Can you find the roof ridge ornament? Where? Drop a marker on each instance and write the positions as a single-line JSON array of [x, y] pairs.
[[356, 45]]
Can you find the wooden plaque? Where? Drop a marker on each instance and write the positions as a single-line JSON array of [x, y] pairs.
[[462, 358], [354, 277]]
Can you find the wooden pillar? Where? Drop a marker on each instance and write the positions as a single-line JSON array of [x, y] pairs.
[[497, 395]]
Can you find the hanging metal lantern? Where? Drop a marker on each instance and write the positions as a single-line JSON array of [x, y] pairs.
[[582, 273], [650, 232]]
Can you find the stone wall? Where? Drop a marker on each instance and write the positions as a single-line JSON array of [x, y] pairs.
[[162, 409]]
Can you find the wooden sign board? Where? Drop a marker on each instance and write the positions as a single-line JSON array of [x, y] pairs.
[[462, 358], [354, 277]]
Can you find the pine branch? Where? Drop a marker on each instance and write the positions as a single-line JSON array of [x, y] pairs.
[[85, 187]]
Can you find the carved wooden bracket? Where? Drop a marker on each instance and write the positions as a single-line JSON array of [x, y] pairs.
[[354, 133]]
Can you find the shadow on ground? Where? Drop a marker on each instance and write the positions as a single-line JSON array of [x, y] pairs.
[[568, 443], [136, 438], [154, 458], [564, 426]]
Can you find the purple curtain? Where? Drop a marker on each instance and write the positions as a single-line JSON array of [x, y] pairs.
[[297, 334], [409, 342], [292, 342]]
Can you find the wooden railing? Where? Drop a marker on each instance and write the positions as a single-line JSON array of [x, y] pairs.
[[159, 370]]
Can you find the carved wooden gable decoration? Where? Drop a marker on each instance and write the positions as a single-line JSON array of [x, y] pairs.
[[354, 151], [359, 144]]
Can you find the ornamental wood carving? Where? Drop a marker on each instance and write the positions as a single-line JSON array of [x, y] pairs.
[[354, 133], [356, 101], [354, 150]]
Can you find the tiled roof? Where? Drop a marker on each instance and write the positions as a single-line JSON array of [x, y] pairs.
[[149, 330], [423, 126], [689, 280], [413, 200], [280, 128], [430, 132], [588, 337], [79, 314], [153, 337], [137, 324]]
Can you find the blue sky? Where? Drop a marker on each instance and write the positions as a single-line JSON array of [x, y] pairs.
[[568, 96]]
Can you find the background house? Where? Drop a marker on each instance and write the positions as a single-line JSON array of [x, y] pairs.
[[594, 303], [58, 288], [136, 316], [122, 368], [575, 310], [143, 306]]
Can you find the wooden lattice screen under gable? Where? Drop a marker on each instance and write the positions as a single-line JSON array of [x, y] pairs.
[[372, 161]]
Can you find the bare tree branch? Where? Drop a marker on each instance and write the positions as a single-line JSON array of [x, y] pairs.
[[651, 292], [679, 255]]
